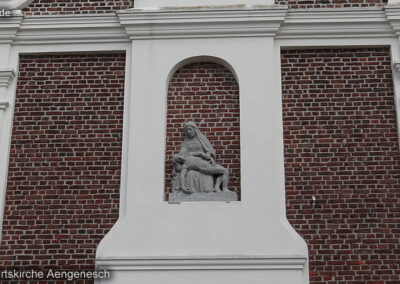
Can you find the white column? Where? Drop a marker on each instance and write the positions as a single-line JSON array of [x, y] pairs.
[[8, 30], [393, 16]]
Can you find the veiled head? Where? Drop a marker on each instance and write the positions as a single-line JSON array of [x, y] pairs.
[[190, 129]]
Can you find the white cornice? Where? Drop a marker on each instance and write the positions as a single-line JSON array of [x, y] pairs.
[[202, 22], [335, 23], [6, 76], [393, 16], [232, 263], [71, 29], [393, 2], [9, 27], [14, 4]]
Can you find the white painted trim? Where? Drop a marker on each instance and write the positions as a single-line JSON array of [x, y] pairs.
[[395, 50], [284, 220], [71, 29], [294, 43], [393, 16], [70, 48], [202, 22], [6, 119], [125, 134], [8, 29], [322, 24], [6, 76], [204, 263], [155, 54]]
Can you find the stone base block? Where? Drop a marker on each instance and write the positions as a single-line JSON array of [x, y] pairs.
[[226, 196]]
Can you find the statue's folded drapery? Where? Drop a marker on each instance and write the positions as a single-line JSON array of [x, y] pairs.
[[197, 182]]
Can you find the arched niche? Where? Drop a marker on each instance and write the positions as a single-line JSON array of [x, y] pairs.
[[204, 90]]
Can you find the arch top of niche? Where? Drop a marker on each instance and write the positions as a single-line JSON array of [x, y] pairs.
[[14, 4], [199, 59]]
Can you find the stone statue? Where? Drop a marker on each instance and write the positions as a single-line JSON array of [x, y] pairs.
[[196, 175]]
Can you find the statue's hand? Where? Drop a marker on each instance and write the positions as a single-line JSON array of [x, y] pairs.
[[197, 154], [178, 158]]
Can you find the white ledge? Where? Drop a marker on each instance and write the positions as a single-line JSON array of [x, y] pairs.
[[335, 23], [204, 263], [71, 29], [9, 27], [6, 76], [202, 22], [393, 2], [393, 16]]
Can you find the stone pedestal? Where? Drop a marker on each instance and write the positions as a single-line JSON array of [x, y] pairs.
[[239, 242], [178, 197]]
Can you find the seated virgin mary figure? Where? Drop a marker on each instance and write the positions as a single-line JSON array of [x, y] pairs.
[[195, 169]]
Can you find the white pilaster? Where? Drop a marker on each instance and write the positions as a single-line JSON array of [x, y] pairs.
[[6, 76], [8, 30], [205, 242], [393, 16], [7, 89]]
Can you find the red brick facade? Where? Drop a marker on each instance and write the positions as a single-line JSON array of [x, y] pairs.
[[207, 94], [341, 146], [53, 7], [340, 138], [64, 172]]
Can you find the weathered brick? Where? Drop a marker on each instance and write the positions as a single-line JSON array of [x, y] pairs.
[[53, 7], [64, 173], [341, 146]]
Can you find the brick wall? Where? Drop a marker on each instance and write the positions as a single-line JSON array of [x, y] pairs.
[[52, 7], [302, 4], [64, 172], [207, 94], [341, 146]]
